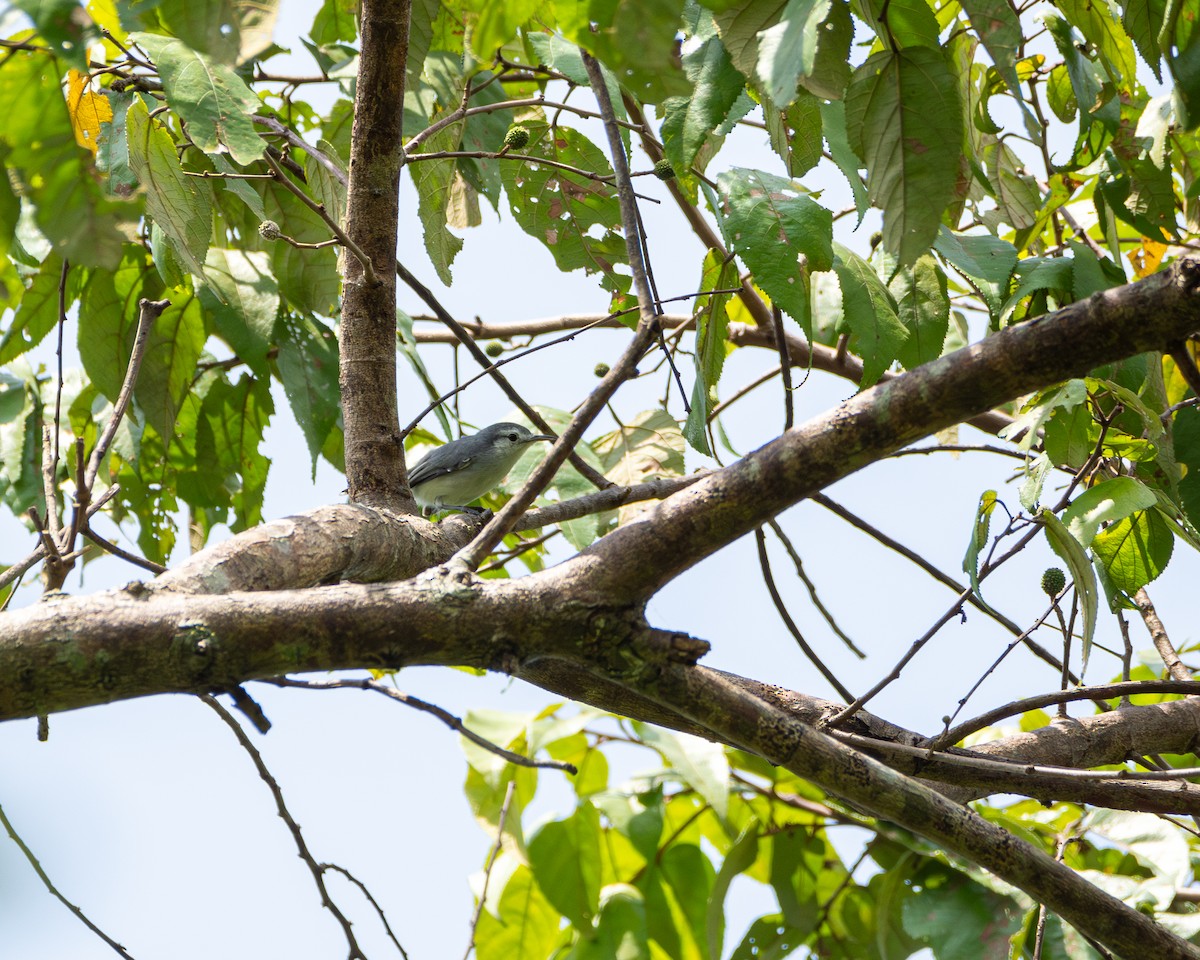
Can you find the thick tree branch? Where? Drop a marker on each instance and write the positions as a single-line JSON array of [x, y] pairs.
[[635, 561], [374, 451], [874, 787]]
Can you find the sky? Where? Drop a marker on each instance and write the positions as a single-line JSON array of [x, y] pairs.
[[148, 815]]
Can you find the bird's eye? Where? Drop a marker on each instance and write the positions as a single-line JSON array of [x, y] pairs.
[[512, 437]]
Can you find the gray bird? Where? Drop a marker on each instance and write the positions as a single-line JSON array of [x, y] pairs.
[[450, 476]]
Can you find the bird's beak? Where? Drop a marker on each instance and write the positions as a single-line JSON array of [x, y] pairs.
[[541, 436]]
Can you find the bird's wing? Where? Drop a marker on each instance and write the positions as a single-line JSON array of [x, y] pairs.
[[424, 471]]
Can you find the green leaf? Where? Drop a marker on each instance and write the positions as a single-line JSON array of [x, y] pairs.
[[788, 49], [565, 858], [1071, 551], [795, 133], [691, 877], [741, 857], [1055, 274], [702, 764], [833, 126], [621, 932], [59, 22], [923, 307], [578, 219], [210, 97], [1097, 21], [712, 325], [754, 31], [902, 23], [242, 298], [108, 318], [647, 447], [1016, 192], [998, 27], [327, 187], [497, 25], [985, 258], [180, 205], [408, 347], [1134, 550], [308, 369], [1070, 436], [229, 31], [1106, 502], [1142, 20], [525, 927], [780, 233], [979, 538], [52, 171], [169, 365], [868, 314], [228, 436], [961, 919], [434, 180], [769, 938], [903, 117], [336, 21], [38, 313], [1187, 448], [689, 121]]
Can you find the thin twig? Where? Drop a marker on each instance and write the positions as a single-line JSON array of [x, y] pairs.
[[318, 208], [109, 547], [491, 862], [37, 867], [487, 371], [293, 827], [812, 589], [485, 541], [338, 868], [785, 366], [765, 564], [940, 576], [944, 738], [1102, 691], [444, 315], [148, 312], [453, 722]]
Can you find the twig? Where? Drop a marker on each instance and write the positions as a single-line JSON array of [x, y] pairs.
[[1102, 691], [250, 708], [1067, 836], [1185, 364], [37, 867], [1158, 633], [368, 268], [453, 722], [62, 322], [109, 547], [765, 563], [944, 740], [293, 827], [485, 362], [487, 371], [608, 499], [812, 590], [491, 862], [148, 312], [742, 392], [941, 577], [477, 550], [337, 868], [785, 366]]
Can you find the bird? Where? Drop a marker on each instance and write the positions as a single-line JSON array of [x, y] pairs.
[[449, 477]]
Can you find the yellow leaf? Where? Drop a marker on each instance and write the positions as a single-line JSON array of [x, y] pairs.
[[88, 110], [1146, 259]]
